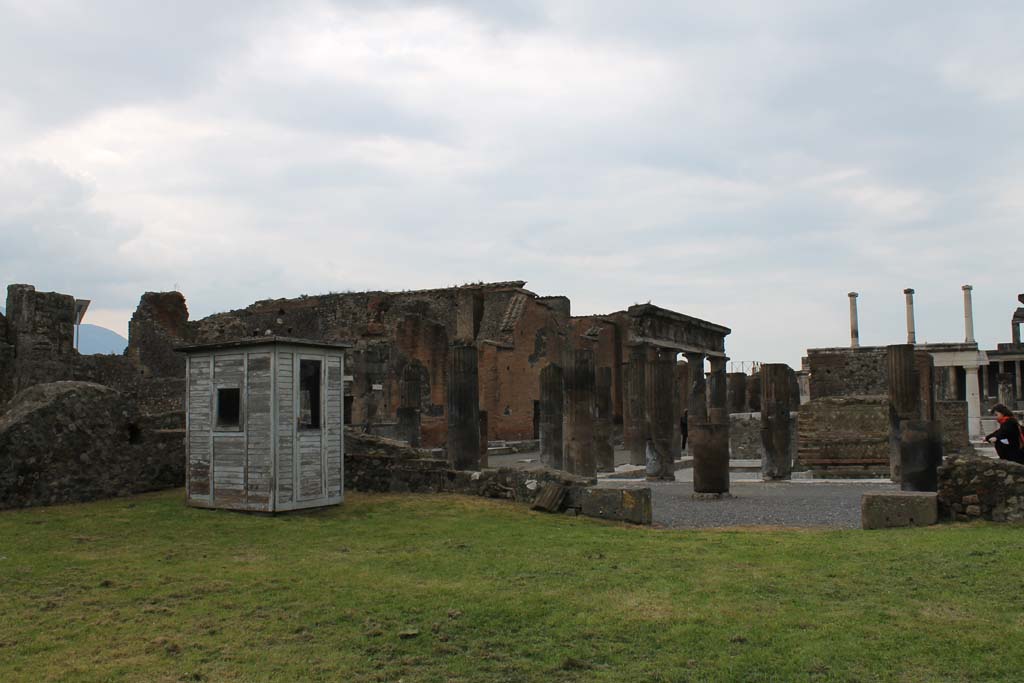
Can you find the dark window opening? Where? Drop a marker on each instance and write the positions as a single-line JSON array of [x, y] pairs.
[[229, 408], [309, 394], [348, 409]]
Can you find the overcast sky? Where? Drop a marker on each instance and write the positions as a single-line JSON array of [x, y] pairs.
[[744, 162]]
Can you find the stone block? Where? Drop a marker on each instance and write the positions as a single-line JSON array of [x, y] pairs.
[[902, 509], [619, 504]]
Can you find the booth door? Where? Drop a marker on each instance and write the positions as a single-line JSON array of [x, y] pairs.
[[312, 482]]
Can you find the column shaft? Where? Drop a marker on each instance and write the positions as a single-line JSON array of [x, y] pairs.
[[578, 430], [661, 392], [551, 405], [776, 403], [603, 450], [463, 408]]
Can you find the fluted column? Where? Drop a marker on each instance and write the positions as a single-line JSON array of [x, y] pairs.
[[463, 408]]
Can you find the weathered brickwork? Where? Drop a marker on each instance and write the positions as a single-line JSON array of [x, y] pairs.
[[848, 372], [845, 435], [952, 419]]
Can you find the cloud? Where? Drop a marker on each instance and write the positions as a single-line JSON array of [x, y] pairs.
[[745, 163]]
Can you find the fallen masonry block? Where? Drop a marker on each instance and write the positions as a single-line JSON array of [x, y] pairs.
[[620, 504], [551, 497], [898, 509]]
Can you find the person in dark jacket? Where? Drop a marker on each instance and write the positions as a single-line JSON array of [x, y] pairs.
[[1007, 439]]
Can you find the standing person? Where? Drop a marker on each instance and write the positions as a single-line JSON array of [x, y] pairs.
[[684, 429], [1008, 438]]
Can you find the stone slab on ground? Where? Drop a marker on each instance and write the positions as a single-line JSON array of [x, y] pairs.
[[619, 504], [898, 509]]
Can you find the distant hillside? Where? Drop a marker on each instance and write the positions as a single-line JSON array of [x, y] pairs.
[[96, 339]]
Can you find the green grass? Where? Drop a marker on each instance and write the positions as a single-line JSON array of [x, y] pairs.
[[145, 589]]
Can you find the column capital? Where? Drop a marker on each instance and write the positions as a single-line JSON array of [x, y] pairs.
[[908, 290]]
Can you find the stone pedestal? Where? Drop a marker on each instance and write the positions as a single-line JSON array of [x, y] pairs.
[[463, 443], [604, 453], [661, 392], [920, 455], [709, 444], [776, 438], [551, 404], [578, 435]]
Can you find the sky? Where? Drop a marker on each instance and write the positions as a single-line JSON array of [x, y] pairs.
[[747, 163]]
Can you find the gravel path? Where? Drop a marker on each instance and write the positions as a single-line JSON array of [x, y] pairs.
[[787, 504]]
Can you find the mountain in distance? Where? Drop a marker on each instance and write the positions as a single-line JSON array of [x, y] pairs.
[[95, 339]]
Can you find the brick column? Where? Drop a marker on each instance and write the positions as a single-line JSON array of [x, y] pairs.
[[578, 430], [551, 416], [463, 408]]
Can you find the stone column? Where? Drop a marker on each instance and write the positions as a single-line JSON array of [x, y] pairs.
[[718, 409], [911, 334], [973, 395], [776, 403], [604, 453], [661, 391], [968, 315], [904, 398], [409, 406], [1006, 390], [920, 455], [578, 429], [736, 392], [551, 416], [708, 442], [698, 397], [636, 393], [924, 363], [854, 329], [485, 436], [463, 408]]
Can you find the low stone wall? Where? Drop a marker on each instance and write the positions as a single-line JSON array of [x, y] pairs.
[[973, 487], [378, 465], [69, 442]]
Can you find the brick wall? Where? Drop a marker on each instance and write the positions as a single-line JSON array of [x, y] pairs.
[[850, 432]]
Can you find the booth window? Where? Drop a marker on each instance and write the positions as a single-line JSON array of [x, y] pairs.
[[309, 394], [229, 408]]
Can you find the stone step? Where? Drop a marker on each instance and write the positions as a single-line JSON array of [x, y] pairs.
[[499, 450]]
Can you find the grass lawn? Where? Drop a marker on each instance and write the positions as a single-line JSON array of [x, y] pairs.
[[448, 588]]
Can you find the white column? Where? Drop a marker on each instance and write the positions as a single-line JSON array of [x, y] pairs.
[[968, 315], [854, 329], [911, 336], [973, 402]]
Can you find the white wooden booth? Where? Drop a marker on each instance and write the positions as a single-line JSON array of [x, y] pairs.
[[264, 419]]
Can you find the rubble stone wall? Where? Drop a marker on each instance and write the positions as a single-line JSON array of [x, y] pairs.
[[974, 487], [848, 372]]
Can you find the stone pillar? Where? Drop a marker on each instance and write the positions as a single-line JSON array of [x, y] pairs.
[[604, 453], [409, 406], [904, 398], [718, 410], [578, 430], [854, 329], [661, 392], [551, 416], [920, 455], [968, 315], [463, 408], [754, 392], [973, 395], [776, 403], [698, 398], [1006, 390], [484, 438], [636, 393], [736, 392], [911, 334], [924, 363], [708, 442]]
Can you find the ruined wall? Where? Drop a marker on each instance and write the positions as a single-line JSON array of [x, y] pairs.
[[160, 321], [844, 434], [952, 419], [40, 334], [847, 372], [973, 487], [66, 442]]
